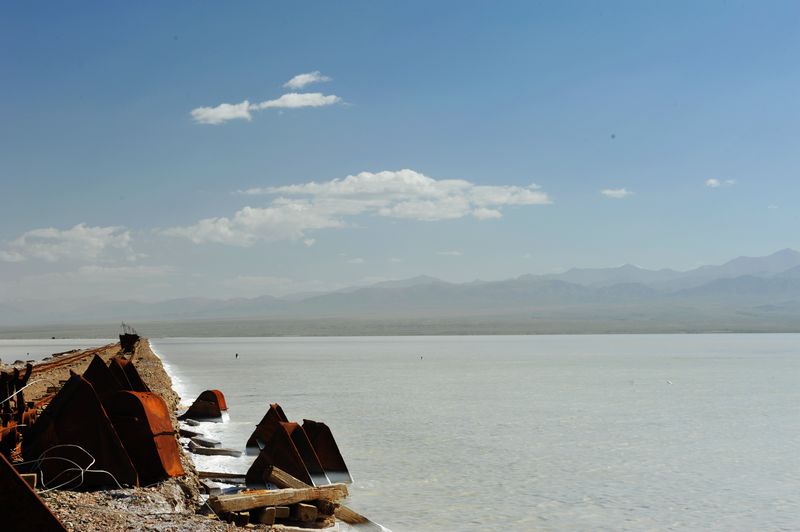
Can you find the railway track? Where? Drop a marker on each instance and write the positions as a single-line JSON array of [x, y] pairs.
[[67, 360]]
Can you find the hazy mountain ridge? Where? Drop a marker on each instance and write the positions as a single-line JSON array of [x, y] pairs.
[[748, 287]]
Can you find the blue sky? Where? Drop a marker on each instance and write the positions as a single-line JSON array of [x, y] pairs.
[[110, 185]]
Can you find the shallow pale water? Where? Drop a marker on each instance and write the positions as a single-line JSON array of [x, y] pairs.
[[531, 432]]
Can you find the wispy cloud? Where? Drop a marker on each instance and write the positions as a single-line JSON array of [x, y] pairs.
[[225, 112], [81, 243], [404, 194], [222, 113], [449, 253], [716, 183], [616, 193], [296, 100], [301, 80], [356, 260]]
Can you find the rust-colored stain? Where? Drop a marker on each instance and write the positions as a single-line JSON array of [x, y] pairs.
[[74, 424], [21, 509], [142, 422], [321, 438]]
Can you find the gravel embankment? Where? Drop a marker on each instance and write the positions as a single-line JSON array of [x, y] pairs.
[[168, 506]]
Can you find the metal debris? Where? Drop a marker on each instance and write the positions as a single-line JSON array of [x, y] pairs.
[[208, 406]]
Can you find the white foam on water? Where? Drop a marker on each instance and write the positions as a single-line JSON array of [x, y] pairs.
[[178, 385]]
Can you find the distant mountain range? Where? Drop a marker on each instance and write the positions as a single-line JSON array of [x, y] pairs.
[[746, 293]]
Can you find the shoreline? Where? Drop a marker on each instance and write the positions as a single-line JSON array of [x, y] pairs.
[[171, 504]]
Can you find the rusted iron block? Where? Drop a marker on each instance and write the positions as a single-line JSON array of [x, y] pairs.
[[126, 374], [74, 429], [9, 438], [128, 342], [208, 406], [142, 421], [288, 449], [21, 508], [324, 444], [265, 428]]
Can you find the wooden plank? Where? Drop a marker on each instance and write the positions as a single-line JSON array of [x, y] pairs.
[[282, 479], [251, 500], [197, 449], [215, 475], [263, 516], [326, 507], [206, 442], [304, 512], [186, 433]]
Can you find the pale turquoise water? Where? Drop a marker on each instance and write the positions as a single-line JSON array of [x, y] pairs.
[[532, 432]]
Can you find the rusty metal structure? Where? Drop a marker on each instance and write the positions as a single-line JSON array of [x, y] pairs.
[[15, 414], [126, 375], [21, 509], [208, 406], [102, 379], [73, 443], [142, 421], [128, 339], [286, 445], [324, 444], [263, 431]]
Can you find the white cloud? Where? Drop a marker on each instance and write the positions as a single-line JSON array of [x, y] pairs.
[[716, 183], [222, 113], [404, 194], [357, 260], [616, 193], [395, 260], [772, 206], [295, 100], [301, 80], [482, 213], [283, 220], [449, 253], [233, 111], [81, 242], [309, 242]]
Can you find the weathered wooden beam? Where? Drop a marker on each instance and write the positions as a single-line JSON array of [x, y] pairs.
[[220, 474], [197, 449], [282, 479], [263, 516], [186, 433], [304, 512], [261, 498], [325, 507]]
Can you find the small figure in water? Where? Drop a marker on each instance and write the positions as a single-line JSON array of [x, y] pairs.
[[237, 355]]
